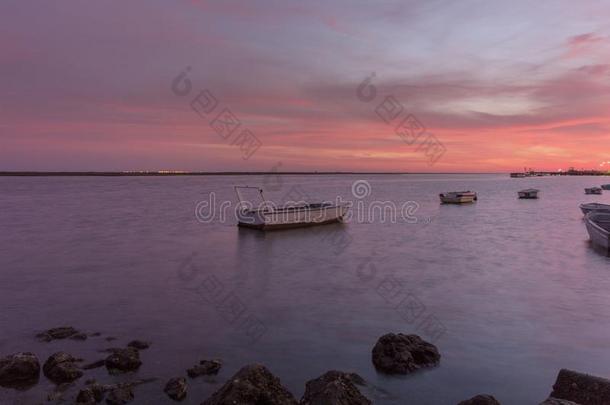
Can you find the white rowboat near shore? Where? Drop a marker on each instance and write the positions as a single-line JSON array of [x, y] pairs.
[[593, 190], [529, 193], [598, 227], [458, 197], [266, 216]]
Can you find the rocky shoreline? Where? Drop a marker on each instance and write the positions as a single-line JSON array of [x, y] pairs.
[[393, 353]]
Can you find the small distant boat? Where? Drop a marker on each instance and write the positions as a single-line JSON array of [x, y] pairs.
[[458, 197], [606, 186], [268, 217], [518, 175], [529, 193], [591, 207], [598, 227], [593, 190]]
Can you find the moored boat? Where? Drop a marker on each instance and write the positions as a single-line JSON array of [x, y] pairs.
[[268, 217], [598, 227], [593, 190], [606, 186], [529, 193], [591, 207], [458, 197]]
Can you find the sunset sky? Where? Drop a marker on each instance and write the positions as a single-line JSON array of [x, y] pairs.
[[87, 85]]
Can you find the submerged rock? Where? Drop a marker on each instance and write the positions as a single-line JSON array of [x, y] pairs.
[[79, 336], [95, 364], [334, 388], [205, 367], [58, 393], [176, 388], [61, 332], [60, 368], [19, 370], [86, 397], [253, 384], [139, 344], [480, 400], [91, 394], [581, 388], [120, 395], [123, 360], [404, 354]]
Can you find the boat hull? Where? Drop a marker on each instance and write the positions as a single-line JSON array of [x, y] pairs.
[[594, 207], [465, 197], [593, 191], [292, 218], [528, 196], [606, 186], [457, 200], [598, 225]]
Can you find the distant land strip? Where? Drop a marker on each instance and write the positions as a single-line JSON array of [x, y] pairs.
[[180, 173], [187, 173]]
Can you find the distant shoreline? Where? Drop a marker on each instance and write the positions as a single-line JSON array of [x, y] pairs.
[[140, 174], [181, 173]]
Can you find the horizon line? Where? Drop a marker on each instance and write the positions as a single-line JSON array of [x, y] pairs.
[[127, 173], [206, 173]]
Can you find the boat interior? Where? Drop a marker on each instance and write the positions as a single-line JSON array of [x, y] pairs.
[[603, 221]]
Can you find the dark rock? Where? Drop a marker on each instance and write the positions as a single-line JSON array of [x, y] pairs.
[[176, 388], [139, 344], [334, 388], [480, 400], [123, 360], [555, 401], [79, 336], [581, 388], [354, 378], [62, 332], [403, 354], [95, 364], [120, 395], [95, 334], [85, 397], [91, 394], [205, 367], [253, 384], [61, 368], [19, 370], [94, 391], [110, 339]]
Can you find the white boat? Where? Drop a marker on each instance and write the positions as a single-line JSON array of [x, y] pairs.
[[593, 190], [458, 197], [266, 216], [529, 193], [590, 207], [606, 186], [598, 226]]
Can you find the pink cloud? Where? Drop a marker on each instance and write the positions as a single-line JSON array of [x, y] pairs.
[[579, 45]]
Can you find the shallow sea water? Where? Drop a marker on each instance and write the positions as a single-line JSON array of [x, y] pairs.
[[510, 290]]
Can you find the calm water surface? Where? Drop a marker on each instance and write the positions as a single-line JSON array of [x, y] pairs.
[[514, 283]]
